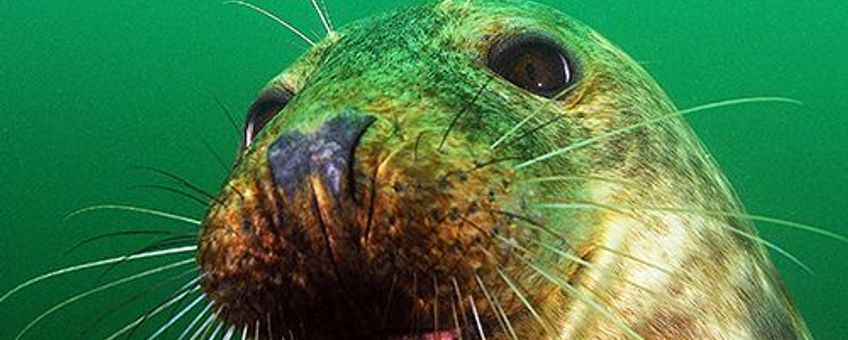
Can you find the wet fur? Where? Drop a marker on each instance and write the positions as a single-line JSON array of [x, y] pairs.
[[416, 69]]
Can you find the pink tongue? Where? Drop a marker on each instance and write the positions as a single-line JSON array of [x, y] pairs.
[[440, 335]]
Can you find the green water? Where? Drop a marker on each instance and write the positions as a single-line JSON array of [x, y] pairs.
[[90, 89]]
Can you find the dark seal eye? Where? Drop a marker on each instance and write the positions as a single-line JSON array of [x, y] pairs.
[[263, 109], [536, 64]]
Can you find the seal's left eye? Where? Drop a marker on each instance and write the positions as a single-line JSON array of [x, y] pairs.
[[536, 64], [262, 111]]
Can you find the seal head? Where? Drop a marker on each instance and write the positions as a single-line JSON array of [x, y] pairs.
[[470, 169]]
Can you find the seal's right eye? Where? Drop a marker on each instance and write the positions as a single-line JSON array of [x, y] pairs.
[[535, 63], [263, 109]]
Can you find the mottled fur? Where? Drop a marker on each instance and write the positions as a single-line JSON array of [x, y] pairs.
[[424, 222]]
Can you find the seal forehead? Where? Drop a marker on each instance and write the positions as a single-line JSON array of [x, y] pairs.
[[439, 39]]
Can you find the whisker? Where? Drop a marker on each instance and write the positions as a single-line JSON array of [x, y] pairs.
[[217, 156], [573, 291], [635, 259], [416, 145], [179, 180], [459, 300], [772, 246], [526, 120], [413, 319], [99, 289], [749, 236], [134, 298], [177, 317], [533, 130], [270, 330], [456, 319], [654, 294], [512, 285], [228, 115], [206, 325], [503, 320], [435, 303], [175, 191], [96, 264], [548, 179], [133, 325], [573, 258], [758, 218], [324, 20], [190, 287], [389, 300], [587, 264], [196, 320], [632, 127], [539, 226], [145, 211], [518, 293], [275, 18], [217, 330], [244, 332], [465, 109], [119, 234], [165, 243], [229, 334], [477, 318]]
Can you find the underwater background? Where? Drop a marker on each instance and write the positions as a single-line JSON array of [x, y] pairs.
[[90, 90]]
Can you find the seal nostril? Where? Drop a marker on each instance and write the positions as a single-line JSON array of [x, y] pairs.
[[328, 153]]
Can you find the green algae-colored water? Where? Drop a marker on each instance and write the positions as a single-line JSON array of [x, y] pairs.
[[90, 90]]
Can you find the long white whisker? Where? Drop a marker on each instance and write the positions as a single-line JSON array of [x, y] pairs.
[[140, 210], [456, 318], [229, 334], [195, 320], [587, 264], [630, 128], [99, 289], [157, 310], [493, 302], [514, 287], [95, 264], [459, 300], [774, 247], [275, 18], [524, 300], [477, 318], [217, 330], [324, 20], [573, 291], [176, 317], [718, 213], [206, 324], [576, 179]]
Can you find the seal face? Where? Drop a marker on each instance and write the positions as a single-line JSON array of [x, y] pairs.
[[480, 169]]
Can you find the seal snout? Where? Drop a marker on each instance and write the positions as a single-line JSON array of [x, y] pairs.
[[327, 154]]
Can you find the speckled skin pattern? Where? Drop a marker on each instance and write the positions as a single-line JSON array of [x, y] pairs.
[[434, 228]]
